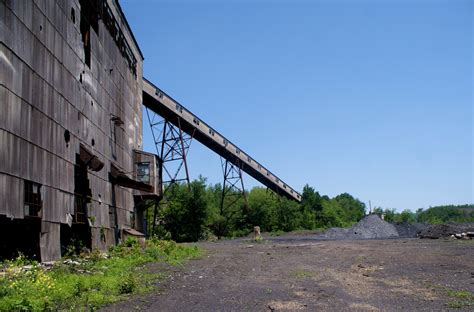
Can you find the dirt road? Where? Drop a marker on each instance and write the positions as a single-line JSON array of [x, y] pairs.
[[291, 275]]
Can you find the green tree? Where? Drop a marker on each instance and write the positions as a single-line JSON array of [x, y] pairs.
[[186, 211], [331, 215], [310, 199], [262, 209], [352, 209], [406, 216]]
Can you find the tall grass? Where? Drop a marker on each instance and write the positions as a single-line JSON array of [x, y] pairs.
[[88, 281]]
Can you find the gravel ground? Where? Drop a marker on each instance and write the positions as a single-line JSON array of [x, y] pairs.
[[312, 275]]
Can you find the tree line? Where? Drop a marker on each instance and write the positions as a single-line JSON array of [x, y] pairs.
[[432, 215], [195, 211]]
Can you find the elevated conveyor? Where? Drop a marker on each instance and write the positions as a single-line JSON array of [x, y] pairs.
[[162, 104]]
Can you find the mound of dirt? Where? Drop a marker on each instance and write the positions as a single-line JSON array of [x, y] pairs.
[[369, 227], [446, 230]]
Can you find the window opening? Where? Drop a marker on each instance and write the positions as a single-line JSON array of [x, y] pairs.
[[33, 203], [143, 172], [67, 136], [83, 193]]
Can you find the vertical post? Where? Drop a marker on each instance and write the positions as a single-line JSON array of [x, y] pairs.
[[223, 188], [155, 212], [184, 152], [114, 205]]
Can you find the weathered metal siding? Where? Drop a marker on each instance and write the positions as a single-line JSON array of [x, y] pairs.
[[46, 89]]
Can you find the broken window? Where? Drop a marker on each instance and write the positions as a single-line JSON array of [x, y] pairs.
[[85, 32], [143, 172], [91, 12], [89, 18], [82, 191], [32, 199]]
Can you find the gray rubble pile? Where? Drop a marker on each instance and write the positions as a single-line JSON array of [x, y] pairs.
[[447, 230], [410, 230], [369, 227], [372, 226]]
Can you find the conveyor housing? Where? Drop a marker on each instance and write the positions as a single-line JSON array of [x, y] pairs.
[[162, 104]]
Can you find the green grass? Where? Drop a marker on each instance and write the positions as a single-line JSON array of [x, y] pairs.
[[92, 283], [463, 298], [258, 239], [302, 274]]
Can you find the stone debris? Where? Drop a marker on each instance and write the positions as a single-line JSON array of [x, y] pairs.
[[468, 235]]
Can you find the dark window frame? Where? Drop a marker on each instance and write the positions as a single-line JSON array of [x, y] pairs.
[[32, 201], [140, 176]]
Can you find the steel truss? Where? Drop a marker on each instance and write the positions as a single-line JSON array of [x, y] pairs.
[[172, 146], [233, 186]]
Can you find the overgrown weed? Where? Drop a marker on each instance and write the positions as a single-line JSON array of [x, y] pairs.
[[88, 282]]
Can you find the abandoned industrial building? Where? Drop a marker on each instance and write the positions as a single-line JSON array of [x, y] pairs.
[[70, 125], [72, 93]]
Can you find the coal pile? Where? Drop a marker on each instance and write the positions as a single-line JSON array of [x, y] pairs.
[[446, 230], [409, 230], [372, 226]]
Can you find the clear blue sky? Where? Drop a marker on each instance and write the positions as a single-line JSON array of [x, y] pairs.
[[373, 98]]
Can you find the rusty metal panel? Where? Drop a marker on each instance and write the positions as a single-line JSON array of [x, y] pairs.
[[50, 244], [4, 196], [57, 204], [11, 192]]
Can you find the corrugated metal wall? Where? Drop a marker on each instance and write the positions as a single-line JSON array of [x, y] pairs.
[[46, 89]]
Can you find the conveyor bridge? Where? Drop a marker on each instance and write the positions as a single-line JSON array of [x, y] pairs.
[[172, 111]]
